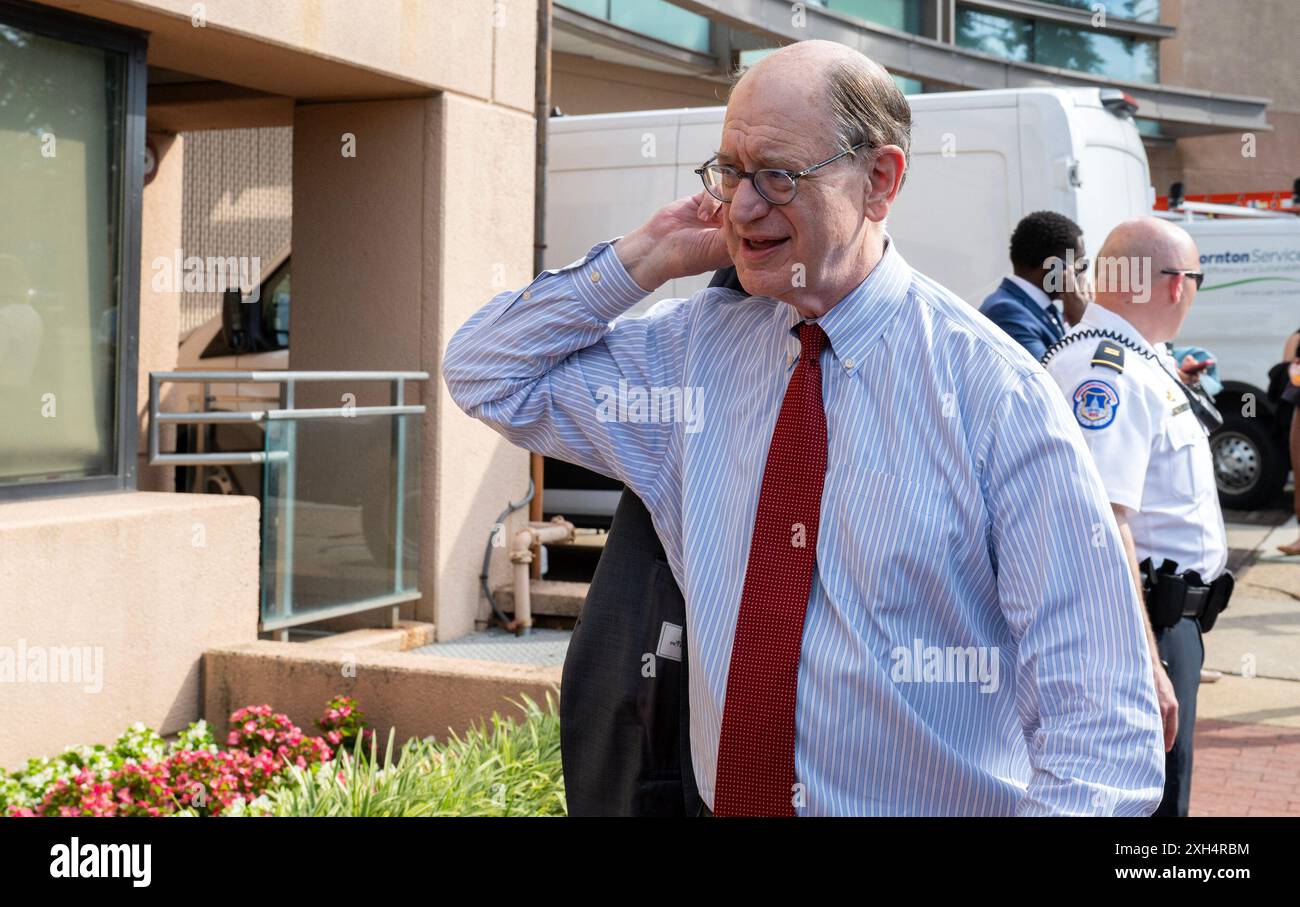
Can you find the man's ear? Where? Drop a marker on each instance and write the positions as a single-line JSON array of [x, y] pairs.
[[884, 178], [1176, 288]]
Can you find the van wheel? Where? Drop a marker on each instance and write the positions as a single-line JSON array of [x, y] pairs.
[[1248, 466]]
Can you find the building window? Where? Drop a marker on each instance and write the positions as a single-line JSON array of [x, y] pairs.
[[1025, 40], [747, 58], [904, 15], [1008, 37], [69, 256], [656, 19], [1148, 128], [1136, 10]]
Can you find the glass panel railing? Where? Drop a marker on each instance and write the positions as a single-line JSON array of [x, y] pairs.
[[340, 485], [340, 516]]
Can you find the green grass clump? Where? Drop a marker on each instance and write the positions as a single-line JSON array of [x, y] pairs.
[[505, 767]]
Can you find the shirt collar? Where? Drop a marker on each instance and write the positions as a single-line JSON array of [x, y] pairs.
[[1035, 293], [1097, 316], [857, 320]]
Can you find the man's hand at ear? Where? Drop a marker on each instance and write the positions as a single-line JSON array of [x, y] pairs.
[[682, 238], [1077, 297]]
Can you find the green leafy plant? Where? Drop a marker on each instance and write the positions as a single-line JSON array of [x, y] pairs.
[[504, 767]]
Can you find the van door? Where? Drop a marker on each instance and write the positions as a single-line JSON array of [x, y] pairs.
[[1113, 171], [962, 197], [606, 174], [1247, 306]]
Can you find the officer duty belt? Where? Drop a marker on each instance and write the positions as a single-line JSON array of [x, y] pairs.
[[1171, 596]]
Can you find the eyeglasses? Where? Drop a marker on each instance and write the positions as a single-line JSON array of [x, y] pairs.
[[1198, 276], [777, 187]]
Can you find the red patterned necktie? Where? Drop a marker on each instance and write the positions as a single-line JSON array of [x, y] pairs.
[[756, 749]]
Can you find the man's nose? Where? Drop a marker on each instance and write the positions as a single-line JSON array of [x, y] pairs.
[[747, 205]]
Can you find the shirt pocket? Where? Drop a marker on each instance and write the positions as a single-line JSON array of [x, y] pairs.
[[883, 536], [1185, 435]]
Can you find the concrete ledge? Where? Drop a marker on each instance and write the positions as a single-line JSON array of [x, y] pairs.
[[419, 695], [408, 634], [128, 590]]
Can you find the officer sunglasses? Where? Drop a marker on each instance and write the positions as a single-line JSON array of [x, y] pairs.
[[777, 187], [1198, 276]]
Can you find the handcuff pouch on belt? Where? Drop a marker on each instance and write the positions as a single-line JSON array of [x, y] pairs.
[[1171, 596]]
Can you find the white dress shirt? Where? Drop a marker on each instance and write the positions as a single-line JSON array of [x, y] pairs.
[[1035, 291], [1150, 448], [960, 656], [1037, 295]]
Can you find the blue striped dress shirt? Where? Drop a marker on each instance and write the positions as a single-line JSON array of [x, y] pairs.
[[972, 644]]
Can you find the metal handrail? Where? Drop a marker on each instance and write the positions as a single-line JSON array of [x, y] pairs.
[[158, 418], [280, 376], [287, 412], [279, 415]]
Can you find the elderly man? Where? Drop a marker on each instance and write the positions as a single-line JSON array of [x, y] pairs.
[[887, 612], [1153, 454]]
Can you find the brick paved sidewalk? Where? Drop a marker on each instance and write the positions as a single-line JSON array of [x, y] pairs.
[[1246, 760], [1245, 769]]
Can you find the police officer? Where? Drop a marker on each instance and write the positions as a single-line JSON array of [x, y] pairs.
[[1148, 437]]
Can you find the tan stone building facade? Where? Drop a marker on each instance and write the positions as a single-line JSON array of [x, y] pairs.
[[412, 185]]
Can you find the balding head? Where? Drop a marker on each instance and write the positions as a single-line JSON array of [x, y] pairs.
[[797, 108], [1131, 281], [830, 79], [1149, 237]]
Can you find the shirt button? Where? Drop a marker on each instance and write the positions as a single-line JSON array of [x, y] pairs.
[[848, 363], [527, 295], [595, 277]]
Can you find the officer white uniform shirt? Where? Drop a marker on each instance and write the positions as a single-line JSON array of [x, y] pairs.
[[1150, 448]]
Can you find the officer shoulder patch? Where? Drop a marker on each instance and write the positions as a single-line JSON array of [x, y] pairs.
[[1095, 403], [1110, 354]]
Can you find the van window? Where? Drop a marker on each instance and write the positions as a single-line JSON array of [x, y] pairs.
[[275, 309], [274, 314]]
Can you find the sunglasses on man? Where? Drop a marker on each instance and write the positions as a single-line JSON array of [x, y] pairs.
[[1198, 276]]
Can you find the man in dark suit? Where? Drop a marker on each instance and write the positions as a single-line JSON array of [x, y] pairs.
[[624, 712], [1048, 267]]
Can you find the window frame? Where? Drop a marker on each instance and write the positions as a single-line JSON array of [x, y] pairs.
[[79, 29], [1034, 21]]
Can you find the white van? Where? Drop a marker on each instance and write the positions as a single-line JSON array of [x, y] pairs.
[[1247, 306], [980, 161]]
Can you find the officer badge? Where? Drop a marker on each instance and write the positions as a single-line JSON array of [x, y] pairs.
[[1095, 403]]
